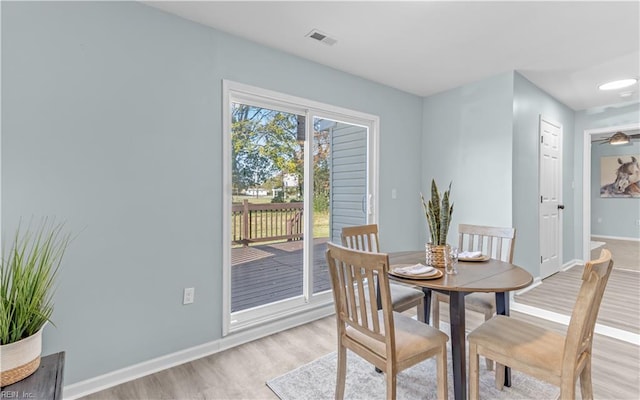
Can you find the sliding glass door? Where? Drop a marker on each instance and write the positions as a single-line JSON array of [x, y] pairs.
[[297, 174]]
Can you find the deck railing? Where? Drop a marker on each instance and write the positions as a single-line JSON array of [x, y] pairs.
[[266, 222]]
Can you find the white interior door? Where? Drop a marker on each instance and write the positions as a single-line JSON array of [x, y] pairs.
[[550, 197]]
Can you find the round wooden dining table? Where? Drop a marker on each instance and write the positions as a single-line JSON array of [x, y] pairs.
[[492, 276]]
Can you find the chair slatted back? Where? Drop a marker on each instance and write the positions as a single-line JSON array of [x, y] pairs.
[[585, 312], [363, 237], [355, 300], [492, 241]]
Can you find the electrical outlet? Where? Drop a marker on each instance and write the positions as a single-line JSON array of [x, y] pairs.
[[189, 295]]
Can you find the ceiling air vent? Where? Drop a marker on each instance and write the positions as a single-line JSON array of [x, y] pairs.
[[321, 37]]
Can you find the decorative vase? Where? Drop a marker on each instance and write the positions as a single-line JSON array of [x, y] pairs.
[[436, 254], [20, 359]]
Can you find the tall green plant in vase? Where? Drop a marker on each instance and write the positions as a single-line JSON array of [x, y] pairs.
[[438, 211], [27, 276]]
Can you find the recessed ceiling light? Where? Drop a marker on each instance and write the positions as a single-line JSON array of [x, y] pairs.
[[618, 84]]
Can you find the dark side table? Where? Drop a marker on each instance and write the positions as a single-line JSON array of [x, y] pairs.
[[44, 384]]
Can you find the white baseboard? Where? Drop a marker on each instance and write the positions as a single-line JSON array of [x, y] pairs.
[[117, 377], [604, 330], [633, 239], [536, 282], [568, 265]]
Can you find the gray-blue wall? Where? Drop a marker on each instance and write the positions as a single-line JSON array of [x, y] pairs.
[[484, 137], [529, 102], [613, 216], [111, 121], [467, 140]]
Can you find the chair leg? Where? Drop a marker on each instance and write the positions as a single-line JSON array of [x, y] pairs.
[[568, 388], [586, 389], [435, 311], [474, 376], [487, 316], [391, 385], [499, 376], [441, 367], [420, 310], [342, 372]]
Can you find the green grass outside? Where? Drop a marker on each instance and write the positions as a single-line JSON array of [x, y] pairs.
[[252, 199], [321, 224]]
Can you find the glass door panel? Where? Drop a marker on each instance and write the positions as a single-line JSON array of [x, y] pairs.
[[267, 241], [340, 187]]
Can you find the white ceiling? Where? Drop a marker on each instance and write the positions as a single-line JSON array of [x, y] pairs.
[[565, 48]]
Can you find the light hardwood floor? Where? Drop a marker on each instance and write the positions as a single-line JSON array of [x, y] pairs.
[[620, 304], [241, 372], [625, 253]]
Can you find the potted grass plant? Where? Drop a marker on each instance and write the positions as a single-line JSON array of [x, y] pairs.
[[438, 211], [27, 276]]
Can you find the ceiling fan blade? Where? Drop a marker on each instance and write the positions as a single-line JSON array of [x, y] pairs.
[[616, 137]]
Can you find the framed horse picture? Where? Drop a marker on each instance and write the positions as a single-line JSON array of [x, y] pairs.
[[620, 176]]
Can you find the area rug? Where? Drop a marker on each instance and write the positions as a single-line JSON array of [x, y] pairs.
[[317, 381]]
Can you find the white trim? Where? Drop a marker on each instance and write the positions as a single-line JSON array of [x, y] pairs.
[[307, 215], [633, 239], [536, 282], [626, 270], [604, 330], [234, 92], [226, 207], [277, 310], [297, 104], [586, 182], [113, 378], [568, 265]]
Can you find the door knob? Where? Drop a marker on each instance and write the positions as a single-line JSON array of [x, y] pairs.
[[560, 206]]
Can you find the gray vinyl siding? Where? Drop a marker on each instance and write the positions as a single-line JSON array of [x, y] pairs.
[[348, 178]]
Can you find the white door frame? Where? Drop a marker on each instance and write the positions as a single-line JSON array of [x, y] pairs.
[[586, 182]]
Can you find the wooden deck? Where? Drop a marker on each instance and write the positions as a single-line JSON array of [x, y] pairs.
[[266, 273]]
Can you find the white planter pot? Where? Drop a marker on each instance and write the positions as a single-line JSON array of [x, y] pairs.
[[20, 359]]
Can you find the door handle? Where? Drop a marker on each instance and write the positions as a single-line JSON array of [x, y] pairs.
[[560, 206]]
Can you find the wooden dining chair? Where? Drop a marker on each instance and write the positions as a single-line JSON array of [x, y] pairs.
[[492, 241], [365, 238], [389, 340], [542, 353]]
